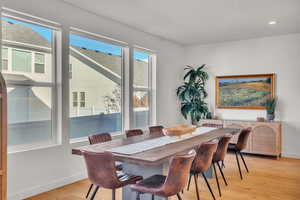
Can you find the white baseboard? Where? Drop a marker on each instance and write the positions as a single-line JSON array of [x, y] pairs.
[[291, 155], [44, 188]]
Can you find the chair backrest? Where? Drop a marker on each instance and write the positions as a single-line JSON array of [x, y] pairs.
[[222, 148], [243, 139], [156, 129], [178, 174], [204, 156], [134, 132], [99, 138], [101, 169], [212, 125]]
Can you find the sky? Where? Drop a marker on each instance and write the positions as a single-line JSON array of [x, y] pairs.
[[238, 80], [79, 41]]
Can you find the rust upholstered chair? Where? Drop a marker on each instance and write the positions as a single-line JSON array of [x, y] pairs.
[[239, 146], [212, 125], [134, 132], [167, 186], [156, 129], [219, 156], [202, 162], [102, 172], [100, 138]]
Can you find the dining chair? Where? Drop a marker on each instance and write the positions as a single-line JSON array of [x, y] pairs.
[[170, 185], [201, 163], [133, 132], [156, 129], [219, 156], [96, 139], [102, 172], [239, 147]]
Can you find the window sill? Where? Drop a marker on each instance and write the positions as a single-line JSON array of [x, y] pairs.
[[32, 147]]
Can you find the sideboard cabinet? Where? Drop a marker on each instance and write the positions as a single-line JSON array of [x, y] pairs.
[[265, 138]]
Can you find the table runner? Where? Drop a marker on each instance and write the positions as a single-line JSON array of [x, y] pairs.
[[157, 142]]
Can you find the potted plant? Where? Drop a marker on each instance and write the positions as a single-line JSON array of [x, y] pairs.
[[270, 107], [192, 94]]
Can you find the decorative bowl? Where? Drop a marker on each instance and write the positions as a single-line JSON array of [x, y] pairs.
[[179, 131]]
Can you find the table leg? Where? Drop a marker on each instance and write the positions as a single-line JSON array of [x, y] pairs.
[[145, 171]]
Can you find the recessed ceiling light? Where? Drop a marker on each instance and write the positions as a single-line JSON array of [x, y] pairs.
[[272, 22]]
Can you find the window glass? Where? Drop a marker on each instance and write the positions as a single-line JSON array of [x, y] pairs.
[[39, 66], [30, 105], [96, 71], [21, 61], [4, 58], [141, 89]]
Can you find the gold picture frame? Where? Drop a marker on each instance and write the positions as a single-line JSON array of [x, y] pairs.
[[244, 91]]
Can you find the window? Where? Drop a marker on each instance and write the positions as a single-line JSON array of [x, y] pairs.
[[98, 64], [31, 113], [21, 60], [141, 89], [82, 99], [39, 64], [4, 58], [75, 99]]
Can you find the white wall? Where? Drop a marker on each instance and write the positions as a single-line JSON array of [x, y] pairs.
[[280, 55], [36, 171]]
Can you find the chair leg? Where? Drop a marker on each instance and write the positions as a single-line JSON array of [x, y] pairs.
[[197, 190], [189, 182], [113, 194], [89, 191], [238, 163], [94, 193], [222, 173], [207, 183], [138, 196], [244, 161], [217, 179], [178, 196], [223, 165], [152, 197]]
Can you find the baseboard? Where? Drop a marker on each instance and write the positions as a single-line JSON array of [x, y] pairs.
[[44, 188], [291, 155]]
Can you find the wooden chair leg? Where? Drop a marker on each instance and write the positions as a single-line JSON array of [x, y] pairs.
[[216, 175], [238, 163], [222, 173], [244, 161], [197, 190], [178, 196], [223, 165], [189, 182], [207, 183], [89, 191], [94, 193]]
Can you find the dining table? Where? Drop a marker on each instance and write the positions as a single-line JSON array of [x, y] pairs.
[[150, 154]]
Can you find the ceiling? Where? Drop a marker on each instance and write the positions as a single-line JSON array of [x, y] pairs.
[[189, 22]]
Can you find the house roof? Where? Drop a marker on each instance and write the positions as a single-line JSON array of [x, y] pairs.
[[24, 34]]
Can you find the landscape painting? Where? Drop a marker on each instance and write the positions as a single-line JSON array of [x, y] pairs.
[[244, 91]]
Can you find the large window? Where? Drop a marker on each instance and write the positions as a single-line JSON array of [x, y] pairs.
[[30, 81], [95, 86], [142, 88]]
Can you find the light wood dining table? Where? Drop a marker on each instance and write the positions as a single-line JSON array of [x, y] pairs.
[[150, 161]]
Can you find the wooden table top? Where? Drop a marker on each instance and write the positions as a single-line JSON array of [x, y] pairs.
[[157, 155]]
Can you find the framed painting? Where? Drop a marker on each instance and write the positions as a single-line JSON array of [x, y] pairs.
[[244, 91]]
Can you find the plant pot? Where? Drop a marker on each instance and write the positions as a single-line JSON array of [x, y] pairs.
[[270, 117]]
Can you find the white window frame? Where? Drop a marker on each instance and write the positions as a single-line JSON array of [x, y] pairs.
[[39, 63], [56, 89], [151, 89], [2, 58]]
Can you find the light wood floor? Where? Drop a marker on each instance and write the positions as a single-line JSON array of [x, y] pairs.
[[269, 179]]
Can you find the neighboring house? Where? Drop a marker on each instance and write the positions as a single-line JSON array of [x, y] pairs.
[[27, 61]]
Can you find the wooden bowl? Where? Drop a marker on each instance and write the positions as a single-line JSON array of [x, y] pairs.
[[179, 130]]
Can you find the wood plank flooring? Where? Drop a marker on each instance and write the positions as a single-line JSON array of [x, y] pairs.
[[269, 179]]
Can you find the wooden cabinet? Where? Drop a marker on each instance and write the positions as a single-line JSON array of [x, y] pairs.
[[265, 138], [3, 139]]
